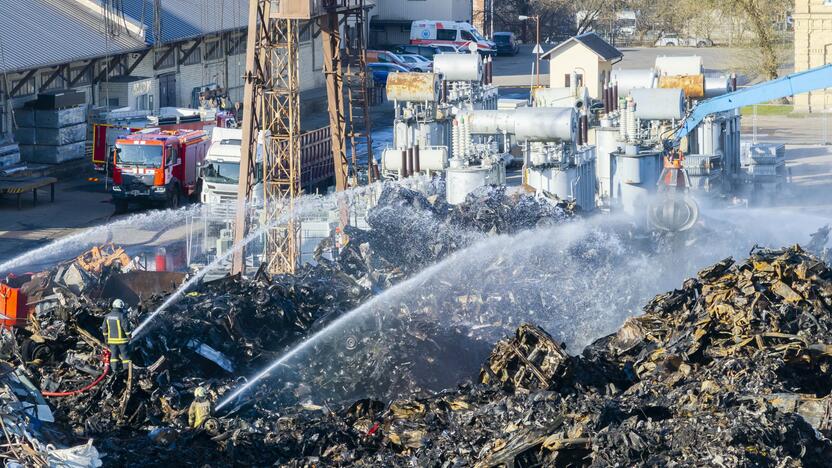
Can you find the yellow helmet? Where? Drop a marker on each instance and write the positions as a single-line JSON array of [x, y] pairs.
[[200, 392]]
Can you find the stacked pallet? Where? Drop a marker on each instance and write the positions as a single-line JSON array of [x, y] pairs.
[[54, 130], [9, 156]]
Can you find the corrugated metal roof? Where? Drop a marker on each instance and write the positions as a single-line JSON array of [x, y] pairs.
[[42, 33], [185, 19]]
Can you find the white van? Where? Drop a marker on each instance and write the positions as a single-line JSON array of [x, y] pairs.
[[427, 32]]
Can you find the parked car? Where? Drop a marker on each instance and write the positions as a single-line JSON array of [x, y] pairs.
[[447, 49], [417, 62], [506, 43], [383, 56], [459, 34], [673, 40], [427, 51], [381, 70]]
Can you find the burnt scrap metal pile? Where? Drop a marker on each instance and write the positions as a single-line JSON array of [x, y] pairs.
[[733, 369], [222, 330]]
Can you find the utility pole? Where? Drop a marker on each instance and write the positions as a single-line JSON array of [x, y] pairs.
[[537, 48]]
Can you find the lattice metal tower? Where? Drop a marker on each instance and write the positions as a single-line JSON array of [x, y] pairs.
[[272, 112]]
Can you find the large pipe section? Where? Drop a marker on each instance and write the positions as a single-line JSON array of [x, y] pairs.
[[627, 80], [659, 104], [458, 67], [526, 123], [413, 87]]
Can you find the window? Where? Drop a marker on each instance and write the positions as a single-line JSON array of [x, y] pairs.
[[143, 102], [168, 61], [445, 34], [25, 89], [81, 75], [57, 83], [306, 31], [567, 80], [236, 45], [173, 159], [466, 36], [194, 58], [213, 51]]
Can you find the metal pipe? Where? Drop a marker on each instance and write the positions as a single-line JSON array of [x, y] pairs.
[[580, 131], [606, 99], [403, 167], [416, 164], [410, 161], [585, 129]]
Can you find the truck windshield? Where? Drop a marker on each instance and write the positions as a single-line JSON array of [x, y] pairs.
[[140, 155], [221, 172], [477, 35]]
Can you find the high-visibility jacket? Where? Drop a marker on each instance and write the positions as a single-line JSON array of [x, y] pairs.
[[198, 412], [115, 328]]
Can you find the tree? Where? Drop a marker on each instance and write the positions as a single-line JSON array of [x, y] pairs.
[[762, 16]]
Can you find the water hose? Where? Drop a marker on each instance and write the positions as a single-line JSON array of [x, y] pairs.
[[105, 359]]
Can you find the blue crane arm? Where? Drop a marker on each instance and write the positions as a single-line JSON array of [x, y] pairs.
[[796, 83]]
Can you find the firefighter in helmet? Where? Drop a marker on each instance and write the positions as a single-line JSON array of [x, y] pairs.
[[116, 331], [200, 409]]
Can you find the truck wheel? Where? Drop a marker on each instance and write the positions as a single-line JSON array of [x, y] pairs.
[[121, 206], [701, 44]]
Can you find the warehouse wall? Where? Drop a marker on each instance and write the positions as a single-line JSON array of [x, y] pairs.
[[812, 48], [226, 70]]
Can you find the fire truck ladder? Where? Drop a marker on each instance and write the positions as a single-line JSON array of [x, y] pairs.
[[359, 125]]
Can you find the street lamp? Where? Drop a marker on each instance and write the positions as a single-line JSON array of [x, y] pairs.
[[537, 48]]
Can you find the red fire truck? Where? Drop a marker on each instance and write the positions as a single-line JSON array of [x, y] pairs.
[[104, 135], [157, 166]]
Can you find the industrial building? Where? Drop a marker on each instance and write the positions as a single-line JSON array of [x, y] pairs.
[[54, 45], [812, 37]]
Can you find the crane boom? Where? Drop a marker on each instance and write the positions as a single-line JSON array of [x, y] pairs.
[[796, 83]]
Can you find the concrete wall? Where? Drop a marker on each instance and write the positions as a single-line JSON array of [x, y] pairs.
[[457, 10], [581, 59], [812, 48]]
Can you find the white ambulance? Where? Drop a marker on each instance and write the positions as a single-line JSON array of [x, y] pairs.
[[458, 34]]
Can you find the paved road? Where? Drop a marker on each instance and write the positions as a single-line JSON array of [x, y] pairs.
[[516, 71]]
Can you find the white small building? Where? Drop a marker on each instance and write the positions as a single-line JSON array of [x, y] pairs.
[[587, 57]]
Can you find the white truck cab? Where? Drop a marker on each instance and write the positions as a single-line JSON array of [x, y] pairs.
[[220, 173]]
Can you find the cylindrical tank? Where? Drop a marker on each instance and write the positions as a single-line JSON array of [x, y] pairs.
[[460, 181], [430, 159], [525, 123], [659, 104], [676, 65], [545, 124], [628, 80], [716, 84], [458, 67], [634, 179], [413, 87], [606, 142]]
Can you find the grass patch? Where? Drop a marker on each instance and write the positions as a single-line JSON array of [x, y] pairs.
[[768, 109]]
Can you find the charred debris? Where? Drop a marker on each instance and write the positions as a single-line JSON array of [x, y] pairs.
[[731, 369]]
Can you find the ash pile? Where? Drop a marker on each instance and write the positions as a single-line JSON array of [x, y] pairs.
[[732, 369], [221, 330]]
